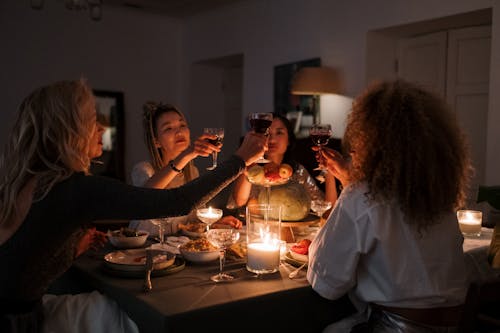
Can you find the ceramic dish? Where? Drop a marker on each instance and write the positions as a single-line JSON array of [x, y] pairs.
[[299, 257], [120, 241], [199, 250], [292, 261], [178, 265], [135, 260]]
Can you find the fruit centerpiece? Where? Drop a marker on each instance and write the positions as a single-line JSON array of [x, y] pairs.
[[269, 174]]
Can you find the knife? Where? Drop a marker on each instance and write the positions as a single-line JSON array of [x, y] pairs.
[[149, 268]]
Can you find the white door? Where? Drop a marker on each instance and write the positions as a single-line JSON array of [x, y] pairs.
[[455, 63]]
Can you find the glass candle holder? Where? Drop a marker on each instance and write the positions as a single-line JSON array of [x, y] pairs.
[[469, 222], [263, 238]]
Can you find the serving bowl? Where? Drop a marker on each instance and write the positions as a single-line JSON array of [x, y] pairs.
[[199, 250], [126, 240]]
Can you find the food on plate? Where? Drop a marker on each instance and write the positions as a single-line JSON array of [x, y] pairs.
[[125, 232], [156, 259], [285, 170], [255, 173], [302, 247], [293, 198], [195, 227], [198, 245], [269, 173], [238, 250]]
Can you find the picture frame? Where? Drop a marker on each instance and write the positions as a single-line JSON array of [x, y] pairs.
[[284, 101], [110, 113]]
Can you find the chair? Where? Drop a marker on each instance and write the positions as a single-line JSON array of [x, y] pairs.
[[482, 307]]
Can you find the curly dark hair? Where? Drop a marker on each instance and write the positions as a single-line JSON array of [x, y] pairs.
[[406, 144]]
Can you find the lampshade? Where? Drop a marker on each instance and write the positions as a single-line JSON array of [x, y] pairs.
[[315, 81]]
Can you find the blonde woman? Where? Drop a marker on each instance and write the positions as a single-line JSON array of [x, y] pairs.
[[168, 140], [47, 195]]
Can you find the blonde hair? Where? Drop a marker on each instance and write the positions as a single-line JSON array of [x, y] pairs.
[[404, 141], [151, 113], [49, 141]]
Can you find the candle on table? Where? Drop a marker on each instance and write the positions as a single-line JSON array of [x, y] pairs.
[[469, 222], [263, 257]]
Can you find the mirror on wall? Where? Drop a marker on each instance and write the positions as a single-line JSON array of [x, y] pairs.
[[110, 113]]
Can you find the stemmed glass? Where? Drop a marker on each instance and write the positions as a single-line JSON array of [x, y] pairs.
[[219, 132], [320, 206], [260, 123], [209, 215], [222, 239], [320, 135], [161, 223]]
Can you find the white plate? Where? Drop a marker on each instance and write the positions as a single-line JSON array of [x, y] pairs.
[[135, 260]]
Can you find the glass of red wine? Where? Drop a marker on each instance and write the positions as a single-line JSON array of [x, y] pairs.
[[219, 132], [320, 135], [260, 123]]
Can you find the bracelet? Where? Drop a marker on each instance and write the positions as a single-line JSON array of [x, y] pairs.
[[173, 167]]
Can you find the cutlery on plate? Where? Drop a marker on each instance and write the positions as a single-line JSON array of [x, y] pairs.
[[149, 268], [294, 273]]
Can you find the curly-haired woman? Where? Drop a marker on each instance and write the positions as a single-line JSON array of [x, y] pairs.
[[392, 241]]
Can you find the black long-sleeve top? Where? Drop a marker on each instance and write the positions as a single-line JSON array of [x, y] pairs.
[[44, 245]]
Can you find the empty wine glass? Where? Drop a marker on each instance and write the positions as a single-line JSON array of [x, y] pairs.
[[161, 223], [219, 132], [222, 239], [320, 135], [320, 206], [260, 123], [209, 215]]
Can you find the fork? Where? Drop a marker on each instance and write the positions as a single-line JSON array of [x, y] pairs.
[[294, 273]]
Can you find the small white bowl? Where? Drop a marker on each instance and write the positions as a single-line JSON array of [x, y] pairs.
[[199, 253], [121, 241]]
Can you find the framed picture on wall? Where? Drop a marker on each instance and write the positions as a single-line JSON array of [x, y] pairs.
[[284, 101], [110, 113]]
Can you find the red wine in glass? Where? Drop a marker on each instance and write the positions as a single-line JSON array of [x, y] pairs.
[[320, 139], [320, 134], [219, 132], [260, 123], [216, 142]]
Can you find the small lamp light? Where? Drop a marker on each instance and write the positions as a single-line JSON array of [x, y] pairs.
[[316, 81]]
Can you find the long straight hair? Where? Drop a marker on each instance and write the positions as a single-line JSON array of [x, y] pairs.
[[49, 141]]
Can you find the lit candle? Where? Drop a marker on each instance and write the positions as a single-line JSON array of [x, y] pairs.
[[263, 257], [469, 222], [209, 215]]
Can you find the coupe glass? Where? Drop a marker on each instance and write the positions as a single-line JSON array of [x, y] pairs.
[[320, 207], [222, 239], [209, 215], [260, 123], [320, 135], [219, 132]]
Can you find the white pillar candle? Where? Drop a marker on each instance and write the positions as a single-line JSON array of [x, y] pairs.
[[263, 257], [469, 222]]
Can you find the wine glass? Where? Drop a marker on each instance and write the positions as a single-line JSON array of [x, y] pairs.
[[320, 206], [219, 132], [260, 123], [222, 239], [320, 134], [161, 223], [209, 215]]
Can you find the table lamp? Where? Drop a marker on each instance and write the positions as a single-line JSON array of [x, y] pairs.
[[316, 81]]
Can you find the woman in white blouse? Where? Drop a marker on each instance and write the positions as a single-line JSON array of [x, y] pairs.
[[392, 242], [168, 139]]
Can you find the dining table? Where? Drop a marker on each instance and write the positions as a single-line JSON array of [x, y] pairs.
[[186, 300]]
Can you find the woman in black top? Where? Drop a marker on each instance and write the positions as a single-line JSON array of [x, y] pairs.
[[47, 194]]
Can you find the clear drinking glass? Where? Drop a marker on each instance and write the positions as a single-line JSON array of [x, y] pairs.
[[219, 132], [260, 123], [222, 239], [161, 223], [209, 215]]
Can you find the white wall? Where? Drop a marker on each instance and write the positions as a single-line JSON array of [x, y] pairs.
[[273, 32], [135, 54]]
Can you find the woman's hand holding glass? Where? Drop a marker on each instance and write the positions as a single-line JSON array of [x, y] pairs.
[[336, 164], [252, 148]]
